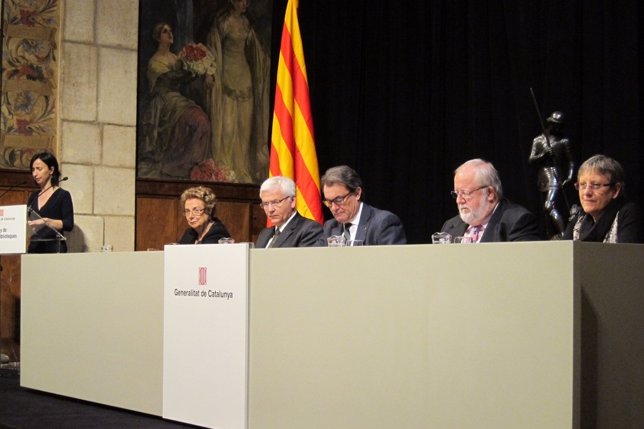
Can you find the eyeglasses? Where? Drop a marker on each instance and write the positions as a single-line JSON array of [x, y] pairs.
[[276, 203], [338, 201], [195, 212], [592, 186], [465, 194]]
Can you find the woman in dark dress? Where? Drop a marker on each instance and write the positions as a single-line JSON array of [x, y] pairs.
[[198, 204], [51, 208]]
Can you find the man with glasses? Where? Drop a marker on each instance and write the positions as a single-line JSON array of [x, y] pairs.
[[289, 228], [484, 214], [357, 221]]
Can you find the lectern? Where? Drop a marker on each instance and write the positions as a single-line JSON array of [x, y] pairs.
[[13, 229]]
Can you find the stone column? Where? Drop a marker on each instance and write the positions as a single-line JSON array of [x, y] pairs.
[[97, 122]]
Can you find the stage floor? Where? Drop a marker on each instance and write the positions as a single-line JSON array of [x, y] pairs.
[[29, 409]]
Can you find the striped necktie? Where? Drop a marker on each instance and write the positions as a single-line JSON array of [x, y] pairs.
[[476, 232]]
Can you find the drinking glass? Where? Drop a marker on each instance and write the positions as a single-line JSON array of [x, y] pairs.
[[336, 241], [463, 240], [441, 238]]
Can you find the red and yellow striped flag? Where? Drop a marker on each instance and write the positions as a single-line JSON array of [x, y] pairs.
[[292, 143]]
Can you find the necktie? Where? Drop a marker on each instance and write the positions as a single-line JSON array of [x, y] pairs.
[[475, 232], [275, 235], [346, 232]]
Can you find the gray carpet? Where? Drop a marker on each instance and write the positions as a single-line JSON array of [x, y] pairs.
[[22, 408]]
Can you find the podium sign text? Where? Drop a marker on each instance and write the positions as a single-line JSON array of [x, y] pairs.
[[206, 335], [13, 229]]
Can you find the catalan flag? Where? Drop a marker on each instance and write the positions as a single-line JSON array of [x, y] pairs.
[[292, 143]]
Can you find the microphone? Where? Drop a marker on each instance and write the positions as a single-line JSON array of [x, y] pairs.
[[12, 187], [63, 179]]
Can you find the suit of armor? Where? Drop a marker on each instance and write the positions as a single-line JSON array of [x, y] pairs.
[[551, 154]]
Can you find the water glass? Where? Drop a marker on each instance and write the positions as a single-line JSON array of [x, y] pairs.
[[441, 238], [463, 240], [336, 241], [226, 240]]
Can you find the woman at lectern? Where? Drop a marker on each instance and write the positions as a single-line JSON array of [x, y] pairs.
[[607, 216], [204, 228], [50, 208]]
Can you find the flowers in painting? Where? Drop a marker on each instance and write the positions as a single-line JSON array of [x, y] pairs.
[[207, 171], [197, 60]]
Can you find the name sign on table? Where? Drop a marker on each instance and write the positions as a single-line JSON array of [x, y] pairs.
[[205, 368], [13, 229]]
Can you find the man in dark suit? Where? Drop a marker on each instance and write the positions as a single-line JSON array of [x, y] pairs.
[[289, 229], [484, 214], [357, 221]]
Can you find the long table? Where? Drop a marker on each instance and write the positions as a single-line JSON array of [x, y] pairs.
[[506, 335]]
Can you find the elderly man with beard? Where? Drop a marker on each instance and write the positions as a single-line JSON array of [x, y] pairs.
[[484, 214]]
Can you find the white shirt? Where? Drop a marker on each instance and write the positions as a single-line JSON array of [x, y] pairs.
[[353, 229], [280, 229]]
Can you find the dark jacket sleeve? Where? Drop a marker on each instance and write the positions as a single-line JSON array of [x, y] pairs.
[[189, 236], [312, 235], [524, 229], [67, 211], [217, 231], [629, 224], [391, 230]]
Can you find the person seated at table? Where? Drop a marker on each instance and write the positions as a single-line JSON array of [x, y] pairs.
[[204, 228], [484, 214], [288, 227], [356, 220], [51, 207], [607, 216]]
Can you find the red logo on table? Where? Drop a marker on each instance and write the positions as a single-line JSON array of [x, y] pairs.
[[203, 276], [1, 212]]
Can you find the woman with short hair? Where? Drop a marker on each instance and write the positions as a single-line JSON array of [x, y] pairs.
[[204, 228], [607, 216]]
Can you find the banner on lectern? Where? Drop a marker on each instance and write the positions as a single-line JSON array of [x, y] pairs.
[[13, 229], [205, 346]]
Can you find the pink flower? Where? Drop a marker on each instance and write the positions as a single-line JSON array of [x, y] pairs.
[[207, 171], [195, 52], [197, 60]]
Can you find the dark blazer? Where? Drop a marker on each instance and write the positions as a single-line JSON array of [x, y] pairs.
[[510, 222], [217, 231], [376, 227], [299, 232], [629, 223]]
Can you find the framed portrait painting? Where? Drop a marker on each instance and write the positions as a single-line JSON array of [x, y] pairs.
[[203, 90]]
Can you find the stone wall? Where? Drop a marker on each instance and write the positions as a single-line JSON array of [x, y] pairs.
[[97, 119]]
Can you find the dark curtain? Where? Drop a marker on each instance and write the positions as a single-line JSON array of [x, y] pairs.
[[405, 91]]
